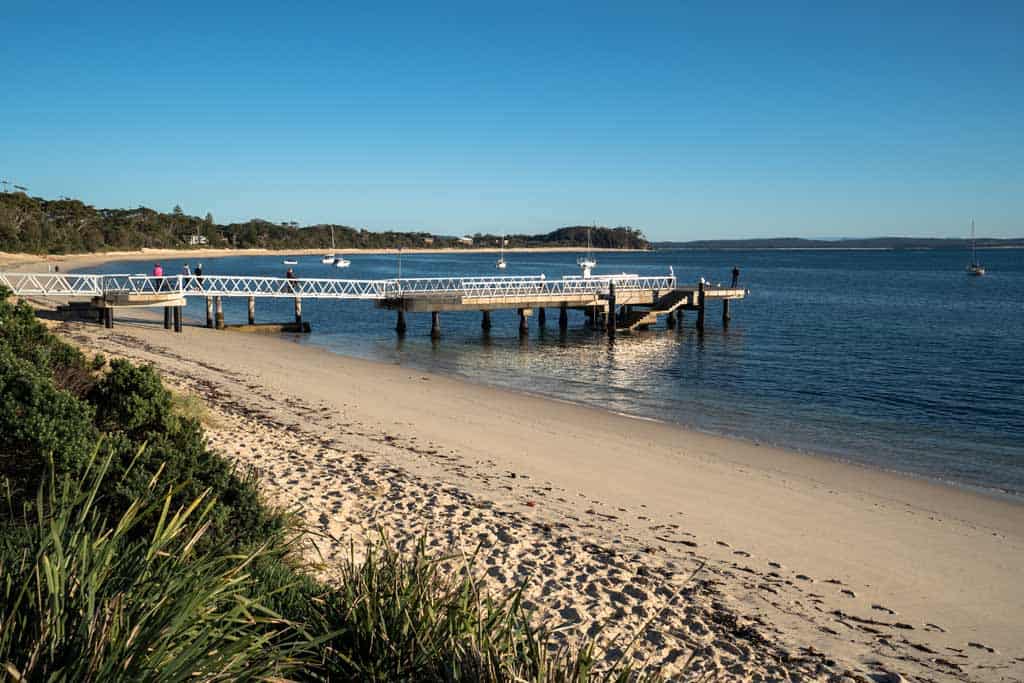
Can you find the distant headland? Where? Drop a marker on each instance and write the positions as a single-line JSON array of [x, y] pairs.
[[34, 225], [851, 243]]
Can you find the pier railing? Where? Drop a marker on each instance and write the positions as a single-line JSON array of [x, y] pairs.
[[73, 285]]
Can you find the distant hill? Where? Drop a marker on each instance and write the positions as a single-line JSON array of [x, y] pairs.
[[39, 226], [864, 243]]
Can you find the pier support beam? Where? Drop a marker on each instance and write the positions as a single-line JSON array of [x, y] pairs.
[[700, 307], [611, 309], [563, 317], [108, 317], [435, 325], [670, 321], [218, 303], [252, 310], [298, 312], [485, 321], [209, 313], [177, 319], [725, 312], [542, 317], [524, 328], [167, 317], [400, 323]]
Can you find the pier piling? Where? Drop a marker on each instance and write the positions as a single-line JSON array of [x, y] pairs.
[[177, 319], [218, 303], [485, 321], [700, 306], [400, 323], [725, 312], [524, 328], [611, 309], [252, 310], [298, 312], [108, 317], [435, 325], [670, 321], [167, 317], [542, 318], [563, 317], [209, 313]]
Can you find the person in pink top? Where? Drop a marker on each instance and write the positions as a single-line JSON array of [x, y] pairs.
[[158, 271]]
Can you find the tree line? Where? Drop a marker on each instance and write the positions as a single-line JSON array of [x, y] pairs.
[[63, 226]]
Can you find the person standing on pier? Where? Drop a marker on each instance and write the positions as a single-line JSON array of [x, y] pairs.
[[290, 276], [158, 272], [735, 276], [199, 272]]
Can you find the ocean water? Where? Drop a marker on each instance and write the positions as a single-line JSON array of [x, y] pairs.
[[893, 359]]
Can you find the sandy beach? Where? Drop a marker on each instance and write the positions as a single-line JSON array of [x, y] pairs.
[[805, 567], [753, 562]]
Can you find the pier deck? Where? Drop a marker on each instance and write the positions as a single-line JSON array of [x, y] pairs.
[[619, 302]]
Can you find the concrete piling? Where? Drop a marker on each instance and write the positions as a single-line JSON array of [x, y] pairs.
[[435, 325], [563, 317], [177, 319], [485, 321], [218, 303], [167, 317], [700, 306], [400, 323], [252, 310], [611, 309], [524, 328], [725, 312], [298, 311], [209, 313], [542, 318]]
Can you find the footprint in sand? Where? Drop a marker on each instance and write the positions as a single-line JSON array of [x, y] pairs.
[[741, 553], [848, 593]]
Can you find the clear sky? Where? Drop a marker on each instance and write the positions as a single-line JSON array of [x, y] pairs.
[[687, 120]]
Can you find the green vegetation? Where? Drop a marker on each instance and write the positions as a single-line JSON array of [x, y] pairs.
[[64, 226], [130, 551]]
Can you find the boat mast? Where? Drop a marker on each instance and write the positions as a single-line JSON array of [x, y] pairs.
[[974, 250]]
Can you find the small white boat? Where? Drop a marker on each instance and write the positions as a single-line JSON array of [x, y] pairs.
[[290, 262], [501, 265], [975, 268], [587, 263], [342, 262]]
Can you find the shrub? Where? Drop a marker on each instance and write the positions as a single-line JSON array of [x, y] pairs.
[[83, 600]]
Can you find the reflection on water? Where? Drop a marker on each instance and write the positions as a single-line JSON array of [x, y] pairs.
[[889, 358]]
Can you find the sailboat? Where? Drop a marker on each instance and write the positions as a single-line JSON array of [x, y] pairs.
[[501, 265], [329, 258], [975, 268], [587, 263]]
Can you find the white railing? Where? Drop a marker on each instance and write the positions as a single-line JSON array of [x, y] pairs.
[[71, 285], [52, 284]]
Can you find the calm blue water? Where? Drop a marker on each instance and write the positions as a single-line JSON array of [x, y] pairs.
[[892, 359]]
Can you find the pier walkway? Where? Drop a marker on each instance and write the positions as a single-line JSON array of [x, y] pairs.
[[617, 302]]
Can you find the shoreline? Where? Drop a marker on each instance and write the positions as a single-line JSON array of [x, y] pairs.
[[836, 538], [25, 261], [88, 260]]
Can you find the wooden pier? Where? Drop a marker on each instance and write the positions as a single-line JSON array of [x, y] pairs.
[[616, 303]]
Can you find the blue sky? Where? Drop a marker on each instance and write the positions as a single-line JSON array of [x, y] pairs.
[[687, 120]]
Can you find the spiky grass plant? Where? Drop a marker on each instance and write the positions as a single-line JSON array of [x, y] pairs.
[[412, 617], [81, 601]]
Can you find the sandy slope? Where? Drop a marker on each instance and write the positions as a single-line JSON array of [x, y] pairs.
[[811, 567]]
